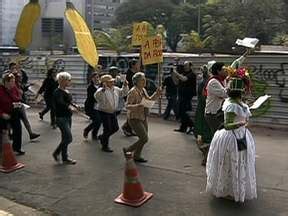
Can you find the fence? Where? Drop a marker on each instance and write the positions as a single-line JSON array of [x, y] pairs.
[[269, 70]]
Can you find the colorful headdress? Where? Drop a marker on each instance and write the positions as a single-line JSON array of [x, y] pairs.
[[239, 79]]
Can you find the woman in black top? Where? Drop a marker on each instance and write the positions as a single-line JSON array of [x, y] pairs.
[[63, 109], [90, 110], [48, 87]]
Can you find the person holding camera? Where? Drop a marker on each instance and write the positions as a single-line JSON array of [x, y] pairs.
[[10, 105], [186, 91], [230, 164]]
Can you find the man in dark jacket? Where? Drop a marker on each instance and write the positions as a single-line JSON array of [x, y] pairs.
[[186, 91], [171, 82]]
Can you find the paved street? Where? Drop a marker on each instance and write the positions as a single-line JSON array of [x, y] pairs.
[[173, 174]]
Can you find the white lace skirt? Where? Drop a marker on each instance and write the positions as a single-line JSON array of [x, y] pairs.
[[231, 172]]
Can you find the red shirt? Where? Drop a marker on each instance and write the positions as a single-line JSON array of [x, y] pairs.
[[7, 98]]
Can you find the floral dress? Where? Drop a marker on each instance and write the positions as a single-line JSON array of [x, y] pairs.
[[231, 172]]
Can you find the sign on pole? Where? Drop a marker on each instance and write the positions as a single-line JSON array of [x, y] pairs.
[[152, 50], [140, 32]]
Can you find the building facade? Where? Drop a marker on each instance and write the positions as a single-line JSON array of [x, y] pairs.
[[100, 13], [9, 16], [52, 31]]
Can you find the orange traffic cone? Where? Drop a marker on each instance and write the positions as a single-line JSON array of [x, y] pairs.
[[133, 193], [9, 162]]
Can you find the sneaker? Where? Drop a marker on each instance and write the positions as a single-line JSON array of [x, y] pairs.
[[180, 130], [140, 160], [34, 136], [107, 149], [69, 161], [20, 152]]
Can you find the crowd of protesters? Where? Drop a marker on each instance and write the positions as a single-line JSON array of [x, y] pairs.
[[220, 124]]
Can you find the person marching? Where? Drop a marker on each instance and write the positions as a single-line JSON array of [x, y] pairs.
[[107, 98], [49, 85], [137, 114], [90, 107], [63, 105], [21, 82], [10, 105], [231, 159], [202, 131], [215, 92]]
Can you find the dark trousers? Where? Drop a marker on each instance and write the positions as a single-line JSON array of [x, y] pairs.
[[49, 107], [185, 106], [16, 134], [64, 124], [24, 119], [95, 124], [172, 104], [110, 126]]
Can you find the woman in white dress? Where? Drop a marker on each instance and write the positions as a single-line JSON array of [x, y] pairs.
[[231, 159]]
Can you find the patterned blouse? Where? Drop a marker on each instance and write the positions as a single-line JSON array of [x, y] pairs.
[[135, 96]]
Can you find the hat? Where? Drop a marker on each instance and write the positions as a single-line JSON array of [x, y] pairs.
[[107, 78], [236, 84], [114, 68]]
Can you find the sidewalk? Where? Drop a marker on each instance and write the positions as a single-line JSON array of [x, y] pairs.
[[10, 208]]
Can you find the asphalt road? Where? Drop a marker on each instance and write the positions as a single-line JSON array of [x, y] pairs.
[[173, 174]]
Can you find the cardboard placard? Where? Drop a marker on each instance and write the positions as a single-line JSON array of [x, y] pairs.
[[140, 32], [152, 50]]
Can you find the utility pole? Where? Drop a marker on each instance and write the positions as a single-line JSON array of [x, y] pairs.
[[199, 16]]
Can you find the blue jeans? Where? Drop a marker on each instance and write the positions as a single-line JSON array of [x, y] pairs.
[[64, 124]]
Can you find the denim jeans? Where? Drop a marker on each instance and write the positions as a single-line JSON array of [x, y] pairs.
[[64, 124]]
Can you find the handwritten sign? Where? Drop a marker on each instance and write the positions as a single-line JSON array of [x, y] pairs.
[[140, 31], [152, 50]]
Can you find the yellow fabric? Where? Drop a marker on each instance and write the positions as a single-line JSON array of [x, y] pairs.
[[29, 16], [84, 40]]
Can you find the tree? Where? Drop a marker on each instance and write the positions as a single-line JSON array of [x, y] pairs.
[[221, 32], [182, 21], [281, 39], [193, 41], [118, 40], [153, 11]]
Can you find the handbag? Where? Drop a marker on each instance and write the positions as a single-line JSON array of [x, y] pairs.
[[241, 142]]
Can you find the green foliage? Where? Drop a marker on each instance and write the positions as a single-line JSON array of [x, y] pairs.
[[194, 41], [259, 88], [280, 39], [118, 40], [222, 22]]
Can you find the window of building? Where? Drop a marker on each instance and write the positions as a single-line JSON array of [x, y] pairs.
[[50, 26]]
